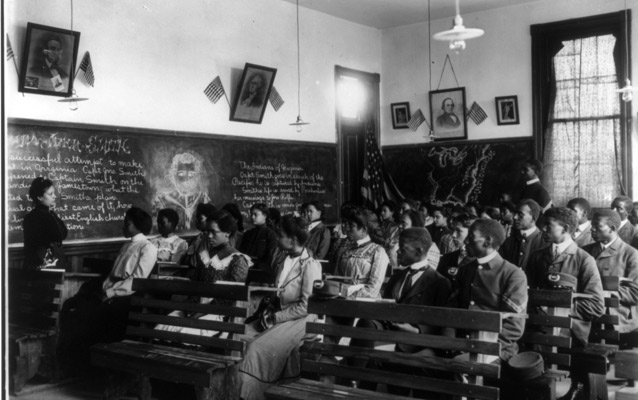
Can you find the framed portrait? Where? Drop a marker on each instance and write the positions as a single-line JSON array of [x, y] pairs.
[[400, 115], [507, 110], [447, 113], [49, 60], [254, 88]]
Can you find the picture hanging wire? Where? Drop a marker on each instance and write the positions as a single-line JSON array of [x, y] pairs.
[[447, 59], [73, 99]]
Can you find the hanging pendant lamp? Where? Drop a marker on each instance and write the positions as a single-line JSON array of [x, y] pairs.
[[628, 90], [459, 33], [299, 124]]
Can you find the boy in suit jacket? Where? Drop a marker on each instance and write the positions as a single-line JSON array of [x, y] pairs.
[[451, 263], [627, 232], [526, 238], [533, 188], [564, 256], [493, 284], [616, 258], [417, 284], [582, 234]]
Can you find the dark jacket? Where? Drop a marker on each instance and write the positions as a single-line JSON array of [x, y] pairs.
[[451, 263], [629, 235], [620, 259], [538, 193], [517, 249], [318, 242], [495, 286], [578, 263], [260, 244], [43, 230], [430, 289]]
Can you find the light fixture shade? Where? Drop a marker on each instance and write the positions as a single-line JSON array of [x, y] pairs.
[[458, 32], [299, 122]]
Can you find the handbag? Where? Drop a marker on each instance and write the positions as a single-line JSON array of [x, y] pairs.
[[265, 312]]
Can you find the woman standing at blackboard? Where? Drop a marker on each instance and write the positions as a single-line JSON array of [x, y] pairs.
[[260, 242], [44, 231]]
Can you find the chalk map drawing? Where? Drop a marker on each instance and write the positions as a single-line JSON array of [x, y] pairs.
[[455, 175]]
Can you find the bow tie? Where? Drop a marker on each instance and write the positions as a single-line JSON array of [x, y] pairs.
[[413, 271]]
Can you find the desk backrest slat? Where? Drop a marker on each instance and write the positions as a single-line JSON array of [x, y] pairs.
[[34, 297], [411, 381], [187, 322], [198, 340], [431, 341], [168, 305], [434, 316], [190, 288]]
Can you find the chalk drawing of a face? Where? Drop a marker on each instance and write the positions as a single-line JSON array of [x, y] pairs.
[[186, 185]]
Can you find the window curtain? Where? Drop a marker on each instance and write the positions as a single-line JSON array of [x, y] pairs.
[[581, 154]]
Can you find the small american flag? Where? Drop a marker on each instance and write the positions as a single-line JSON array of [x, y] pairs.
[[87, 68], [417, 119], [215, 90], [10, 54], [275, 99], [477, 113]]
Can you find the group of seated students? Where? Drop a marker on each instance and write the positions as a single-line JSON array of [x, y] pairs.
[[464, 256]]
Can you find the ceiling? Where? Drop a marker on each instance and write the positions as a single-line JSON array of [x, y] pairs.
[[383, 14]]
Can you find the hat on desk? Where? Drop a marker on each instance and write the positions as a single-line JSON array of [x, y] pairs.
[[559, 280], [328, 289], [525, 366]]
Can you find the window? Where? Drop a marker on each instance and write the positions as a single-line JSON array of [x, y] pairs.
[[578, 116]]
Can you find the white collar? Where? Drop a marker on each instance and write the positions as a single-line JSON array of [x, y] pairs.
[[487, 258], [363, 241], [169, 239], [623, 223], [529, 231], [420, 264], [561, 247], [313, 225], [137, 238], [583, 226], [609, 244], [530, 182]]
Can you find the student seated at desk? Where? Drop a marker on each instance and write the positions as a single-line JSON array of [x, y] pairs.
[[417, 284], [135, 260], [492, 284], [222, 263], [319, 240], [199, 244], [170, 247], [451, 263], [272, 356], [582, 234], [260, 242], [563, 256]]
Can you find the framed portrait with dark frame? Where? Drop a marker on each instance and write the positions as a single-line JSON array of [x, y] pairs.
[[400, 115], [507, 110], [254, 88], [48, 61], [447, 113]]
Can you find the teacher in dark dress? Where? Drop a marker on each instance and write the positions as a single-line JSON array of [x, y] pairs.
[[43, 230]]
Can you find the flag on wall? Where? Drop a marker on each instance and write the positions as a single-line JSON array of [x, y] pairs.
[[87, 68], [275, 99], [416, 120], [215, 90], [376, 186], [10, 54], [477, 114]]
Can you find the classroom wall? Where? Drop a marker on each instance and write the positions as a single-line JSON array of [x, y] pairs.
[[153, 60], [496, 64]]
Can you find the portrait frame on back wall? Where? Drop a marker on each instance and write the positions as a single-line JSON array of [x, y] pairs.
[[251, 99], [447, 113], [49, 60], [400, 115], [507, 110]]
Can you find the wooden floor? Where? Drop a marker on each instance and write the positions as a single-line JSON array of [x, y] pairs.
[[91, 389]]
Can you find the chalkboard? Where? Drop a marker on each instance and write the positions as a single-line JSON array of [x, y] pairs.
[[99, 172], [456, 173]]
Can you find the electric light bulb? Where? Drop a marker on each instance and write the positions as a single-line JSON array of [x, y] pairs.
[[73, 105], [457, 45], [299, 128], [627, 96]]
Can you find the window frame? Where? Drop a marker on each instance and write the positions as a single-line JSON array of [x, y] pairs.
[[543, 35]]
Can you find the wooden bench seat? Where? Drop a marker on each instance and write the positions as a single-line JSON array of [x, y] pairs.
[[208, 363], [34, 308], [482, 328]]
